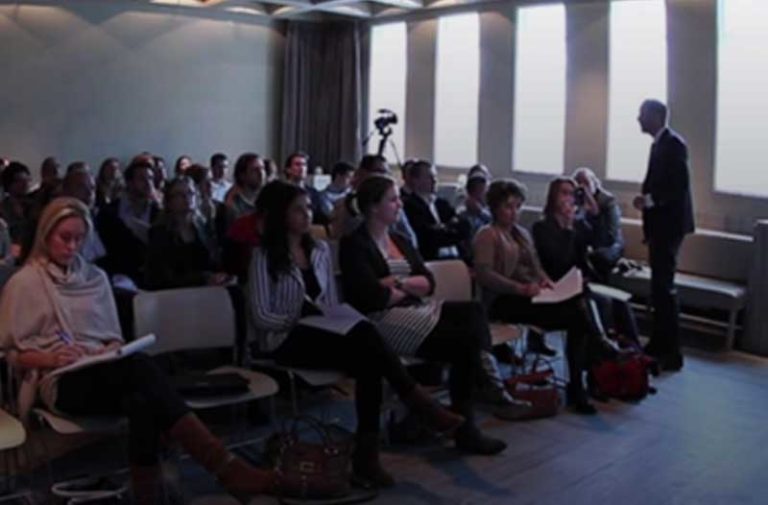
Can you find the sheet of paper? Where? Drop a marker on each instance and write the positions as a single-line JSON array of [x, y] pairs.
[[339, 319], [126, 350], [570, 285]]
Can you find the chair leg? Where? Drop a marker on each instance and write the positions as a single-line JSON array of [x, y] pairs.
[[731, 337]]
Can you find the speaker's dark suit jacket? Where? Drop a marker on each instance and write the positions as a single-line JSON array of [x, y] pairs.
[[668, 183]]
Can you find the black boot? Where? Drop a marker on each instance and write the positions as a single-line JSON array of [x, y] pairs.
[[577, 401], [366, 465], [470, 439]]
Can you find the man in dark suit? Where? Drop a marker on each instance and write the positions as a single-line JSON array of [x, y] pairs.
[[441, 235], [667, 209]]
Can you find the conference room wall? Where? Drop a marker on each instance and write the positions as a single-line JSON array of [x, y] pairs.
[[692, 88], [87, 79]]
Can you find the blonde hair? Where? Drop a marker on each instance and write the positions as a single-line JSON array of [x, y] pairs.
[[55, 212]]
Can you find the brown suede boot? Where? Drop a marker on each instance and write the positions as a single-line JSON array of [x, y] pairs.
[[438, 417], [238, 477], [147, 484], [366, 465]]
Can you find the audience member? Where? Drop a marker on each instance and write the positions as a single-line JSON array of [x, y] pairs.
[[220, 185], [74, 315], [295, 168], [249, 178], [341, 177], [214, 213], [385, 278], [287, 254], [667, 208], [15, 208], [183, 162], [49, 177], [180, 252], [475, 211], [607, 240], [563, 239], [510, 276], [109, 182], [124, 224], [79, 184], [270, 169], [346, 217], [439, 232], [160, 174]]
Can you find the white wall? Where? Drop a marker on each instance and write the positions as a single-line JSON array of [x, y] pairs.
[[692, 35], [87, 79]]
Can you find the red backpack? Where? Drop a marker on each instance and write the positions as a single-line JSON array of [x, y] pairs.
[[625, 377]]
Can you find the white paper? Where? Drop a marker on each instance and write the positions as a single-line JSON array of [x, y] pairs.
[[570, 285], [339, 319], [126, 350]]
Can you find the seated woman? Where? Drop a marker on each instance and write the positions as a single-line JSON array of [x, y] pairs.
[[57, 309], [181, 252], [291, 275], [563, 240], [510, 275], [385, 278]]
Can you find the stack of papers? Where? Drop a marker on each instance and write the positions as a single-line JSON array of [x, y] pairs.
[[570, 285]]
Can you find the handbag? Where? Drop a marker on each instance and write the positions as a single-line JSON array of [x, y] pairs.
[[537, 386], [313, 463]]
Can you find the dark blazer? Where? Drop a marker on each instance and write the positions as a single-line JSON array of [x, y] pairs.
[[431, 234], [126, 253], [362, 266], [668, 183], [172, 263], [561, 249]]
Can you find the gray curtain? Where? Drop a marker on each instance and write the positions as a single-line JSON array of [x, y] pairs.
[[323, 92]]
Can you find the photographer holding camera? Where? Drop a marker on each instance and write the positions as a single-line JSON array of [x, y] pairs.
[[602, 212]]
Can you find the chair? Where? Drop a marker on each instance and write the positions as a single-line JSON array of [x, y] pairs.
[[454, 283], [197, 318]]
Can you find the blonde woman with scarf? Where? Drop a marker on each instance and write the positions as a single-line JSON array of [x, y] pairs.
[[58, 308]]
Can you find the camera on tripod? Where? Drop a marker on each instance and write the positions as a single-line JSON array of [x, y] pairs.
[[384, 120]]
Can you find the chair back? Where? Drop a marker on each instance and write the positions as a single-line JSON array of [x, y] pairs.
[[186, 319], [452, 280]]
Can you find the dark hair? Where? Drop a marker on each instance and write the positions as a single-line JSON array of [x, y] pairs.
[[176, 181], [500, 191], [369, 161], [371, 191], [176, 168], [341, 168], [77, 166], [418, 166], [49, 163], [552, 190], [273, 203], [158, 160], [474, 182], [13, 169], [136, 165], [269, 167], [218, 158], [197, 173], [474, 169], [242, 164], [297, 154]]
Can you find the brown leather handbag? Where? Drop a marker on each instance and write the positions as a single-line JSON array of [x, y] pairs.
[[311, 458]]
